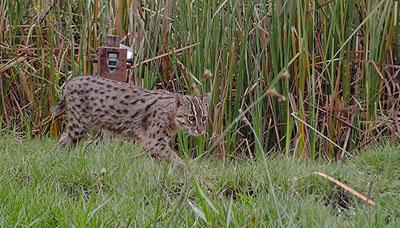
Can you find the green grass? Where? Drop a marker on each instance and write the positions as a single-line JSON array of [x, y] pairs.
[[116, 184], [341, 59]]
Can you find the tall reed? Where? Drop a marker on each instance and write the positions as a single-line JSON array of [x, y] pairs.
[[312, 79]]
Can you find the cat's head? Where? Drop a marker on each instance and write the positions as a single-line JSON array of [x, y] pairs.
[[192, 114]]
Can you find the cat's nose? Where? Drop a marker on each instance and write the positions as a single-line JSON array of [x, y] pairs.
[[199, 130]]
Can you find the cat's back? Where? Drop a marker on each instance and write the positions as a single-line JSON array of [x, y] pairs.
[[101, 96]]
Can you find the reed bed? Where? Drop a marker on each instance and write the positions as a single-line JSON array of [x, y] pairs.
[[310, 79]]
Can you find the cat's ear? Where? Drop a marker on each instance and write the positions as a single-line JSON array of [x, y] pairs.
[[178, 101], [206, 98]]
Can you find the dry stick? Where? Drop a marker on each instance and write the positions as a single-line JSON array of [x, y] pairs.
[[165, 54], [158, 13], [275, 127], [345, 187], [322, 135], [11, 63], [346, 141], [338, 118]]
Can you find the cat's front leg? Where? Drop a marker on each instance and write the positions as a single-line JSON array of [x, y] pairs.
[[106, 135], [160, 149]]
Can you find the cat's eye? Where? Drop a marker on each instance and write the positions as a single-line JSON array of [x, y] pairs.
[[192, 119], [204, 118]]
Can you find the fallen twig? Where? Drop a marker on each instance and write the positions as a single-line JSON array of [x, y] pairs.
[[347, 188]]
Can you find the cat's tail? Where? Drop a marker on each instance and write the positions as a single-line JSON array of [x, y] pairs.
[[60, 106]]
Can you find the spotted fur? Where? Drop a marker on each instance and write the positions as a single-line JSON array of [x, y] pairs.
[[150, 117]]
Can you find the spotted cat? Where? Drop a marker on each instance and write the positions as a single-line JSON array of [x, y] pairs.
[[150, 117]]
